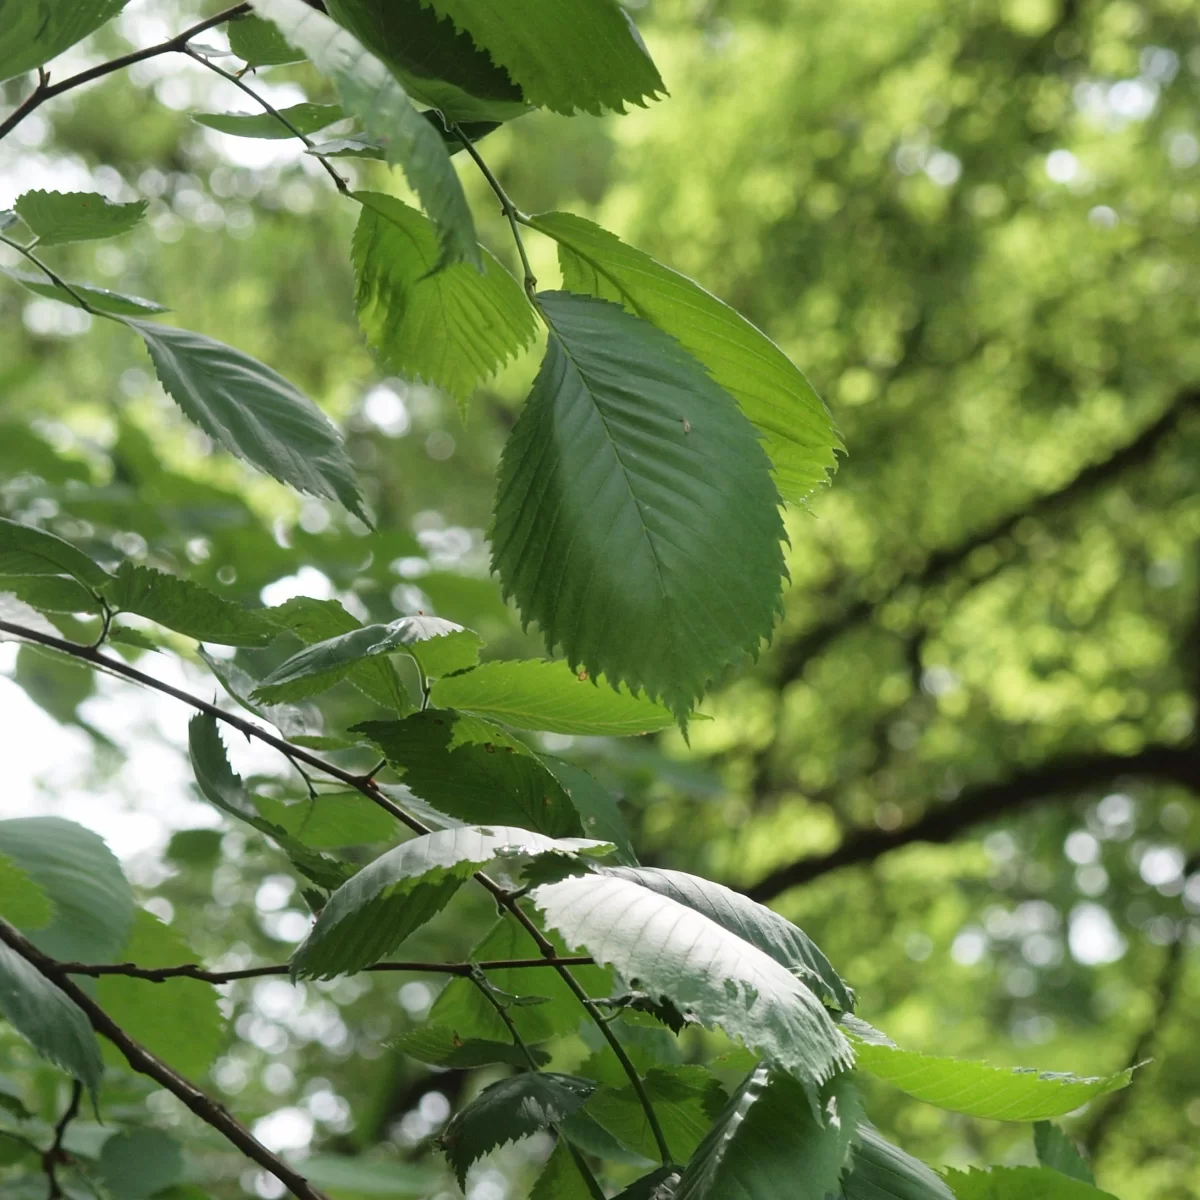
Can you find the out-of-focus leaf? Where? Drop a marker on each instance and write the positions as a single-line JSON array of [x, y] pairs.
[[138, 1163], [1056, 1151], [355, 1177], [331, 820], [305, 118], [440, 1046], [27, 550], [58, 217], [117, 303], [259, 43], [1021, 1183], [23, 902], [36, 33]]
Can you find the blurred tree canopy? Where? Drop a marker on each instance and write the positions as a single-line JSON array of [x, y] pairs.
[[967, 764]]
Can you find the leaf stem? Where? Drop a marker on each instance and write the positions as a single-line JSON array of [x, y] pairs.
[[54, 278], [516, 218]]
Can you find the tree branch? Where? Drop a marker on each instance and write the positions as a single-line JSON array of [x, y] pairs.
[[145, 1063], [985, 802]]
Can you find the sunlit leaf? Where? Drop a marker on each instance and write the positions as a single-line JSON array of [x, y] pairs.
[[331, 820], [58, 217], [1021, 1183]]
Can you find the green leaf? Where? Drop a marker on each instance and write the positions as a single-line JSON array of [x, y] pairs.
[[440, 1046], [187, 608], [355, 146], [50, 593], [560, 1178], [565, 54], [979, 1090], [58, 217], [358, 1177], [100, 298], [252, 411], [881, 1171], [509, 1110], [668, 950], [36, 33], [221, 787], [52, 1023], [23, 902], [686, 1100], [294, 721], [535, 694], [629, 488], [26, 550], [375, 910], [139, 1162], [437, 64], [440, 647], [474, 771], [331, 820], [306, 117], [259, 44], [453, 328], [797, 431], [769, 1144], [752, 922], [647, 1188], [178, 1019], [1021, 1183], [319, 620], [1056, 1151], [56, 682], [93, 903], [369, 91], [598, 812]]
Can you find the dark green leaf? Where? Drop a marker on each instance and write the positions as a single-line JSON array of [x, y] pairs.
[[52, 1023], [259, 44], [511, 1109], [221, 787], [752, 922], [1056, 1151], [351, 146], [252, 411], [797, 430], [647, 1188], [58, 217], [93, 903], [560, 1178], [598, 811], [474, 770], [375, 910], [535, 694], [116, 303], [440, 1046], [769, 1144], [36, 33], [26, 550], [1021, 1183], [370, 92], [23, 902], [294, 721], [51, 593], [139, 1162], [880, 1171], [331, 820], [307, 118], [453, 328], [187, 608], [628, 488], [581, 1131], [437, 64], [565, 54], [356, 146], [668, 950]]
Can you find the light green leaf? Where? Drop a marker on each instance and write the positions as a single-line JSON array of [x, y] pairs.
[[474, 771], [752, 922], [259, 44], [51, 1022], [369, 91], [139, 1162], [629, 488], [675, 952], [535, 694], [26, 550], [437, 64], [187, 608], [22, 902], [58, 217], [116, 303], [306, 117], [979, 1090], [93, 903], [375, 910], [560, 1178], [224, 789], [50, 593], [1021, 1183], [36, 33], [797, 430], [565, 54], [598, 812], [315, 621], [881, 1171], [358, 1177], [686, 1100], [252, 411], [177, 1019], [440, 1046], [769, 1144], [509, 1110], [331, 820], [453, 328], [440, 647], [1056, 1151]]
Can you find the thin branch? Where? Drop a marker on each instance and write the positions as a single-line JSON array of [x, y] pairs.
[[195, 971], [54, 1156], [57, 280], [46, 91], [145, 1063], [987, 802]]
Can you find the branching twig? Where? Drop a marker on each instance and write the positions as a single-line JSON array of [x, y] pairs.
[[54, 1156]]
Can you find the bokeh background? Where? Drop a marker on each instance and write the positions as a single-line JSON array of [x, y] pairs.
[[967, 764]]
